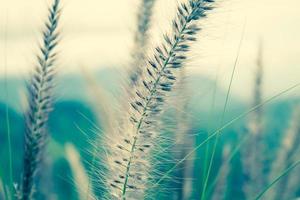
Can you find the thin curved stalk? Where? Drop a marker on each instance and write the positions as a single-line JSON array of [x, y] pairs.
[[283, 174], [203, 193], [7, 117]]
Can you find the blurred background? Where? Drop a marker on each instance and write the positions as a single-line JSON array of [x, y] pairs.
[[97, 38]]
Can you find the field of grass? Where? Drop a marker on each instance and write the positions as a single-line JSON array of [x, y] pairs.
[[150, 130]]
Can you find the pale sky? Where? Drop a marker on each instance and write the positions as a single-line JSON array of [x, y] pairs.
[[98, 33]]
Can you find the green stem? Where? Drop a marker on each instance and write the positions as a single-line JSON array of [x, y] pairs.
[[223, 115], [9, 151], [211, 129], [7, 115], [227, 161], [284, 173]]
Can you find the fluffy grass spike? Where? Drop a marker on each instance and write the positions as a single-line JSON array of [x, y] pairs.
[[81, 179], [141, 39], [40, 102], [130, 151], [224, 171], [287, 154], [184, 140], [253, 153]]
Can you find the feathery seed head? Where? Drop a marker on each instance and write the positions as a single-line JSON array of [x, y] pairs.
[[40, 102], [129, 156]]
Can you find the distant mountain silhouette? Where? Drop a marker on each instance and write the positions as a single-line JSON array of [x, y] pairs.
[[75, 87]]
